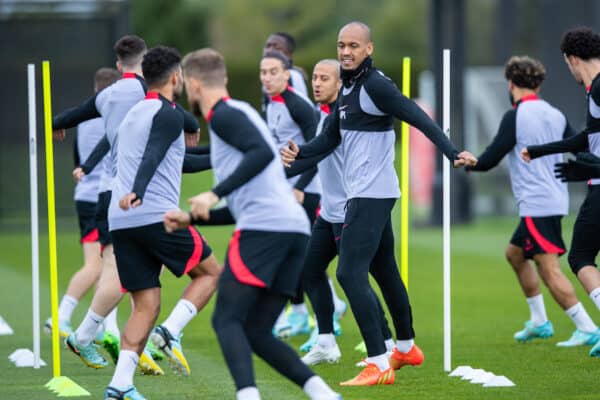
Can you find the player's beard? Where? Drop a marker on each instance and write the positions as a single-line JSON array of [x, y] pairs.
[[195, 108]]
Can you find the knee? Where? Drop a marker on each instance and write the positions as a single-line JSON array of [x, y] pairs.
[[514, 257]]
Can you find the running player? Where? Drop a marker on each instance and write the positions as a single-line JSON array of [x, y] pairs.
[[542, 200], [147, 184], [264, 258], [291, 116], [581, 50], [86, 198], [362, 123]]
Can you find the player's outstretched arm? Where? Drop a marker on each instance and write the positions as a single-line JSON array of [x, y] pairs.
[[100, 150], [585, 167], [504, 141], [73, 116], [573, 144], [196, 163]]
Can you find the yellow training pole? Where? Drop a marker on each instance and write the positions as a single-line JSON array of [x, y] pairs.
[[61, 385], [51, 219], [404, 178]]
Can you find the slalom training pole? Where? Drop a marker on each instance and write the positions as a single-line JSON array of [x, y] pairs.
[[61, 385], [446, 213], [33, 185], [405, 178]]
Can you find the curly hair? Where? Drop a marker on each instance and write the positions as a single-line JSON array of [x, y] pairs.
[[130, 49], [581, 42], [159, 62], [525, 72]]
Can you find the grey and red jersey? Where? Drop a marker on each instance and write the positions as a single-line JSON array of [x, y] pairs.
[[533, 121], [247, 165], [89, 133], [333, 197], [588, 140], [149, 162], [291, 116], [362, 124]]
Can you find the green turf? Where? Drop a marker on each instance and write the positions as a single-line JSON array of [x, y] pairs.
[[487, 308]]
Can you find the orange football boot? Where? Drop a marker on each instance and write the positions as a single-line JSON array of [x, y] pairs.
[[414, 357], [372, 375]]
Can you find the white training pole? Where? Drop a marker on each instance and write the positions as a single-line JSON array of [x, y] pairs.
[[446, 212], [35, 257]]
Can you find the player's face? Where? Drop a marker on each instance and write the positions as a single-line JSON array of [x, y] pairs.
[[573, 65], [192, 90], [275, 42], [273, 76], [178, 87], [325, 83], [353, 47]]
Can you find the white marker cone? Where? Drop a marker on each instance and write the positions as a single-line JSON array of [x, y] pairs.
[[461, 371], [499, 381]]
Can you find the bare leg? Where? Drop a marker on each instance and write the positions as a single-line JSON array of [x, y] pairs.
[[589, 276], [89, 273], [526, 274], [109, 293], [205, 277], [560, 287]]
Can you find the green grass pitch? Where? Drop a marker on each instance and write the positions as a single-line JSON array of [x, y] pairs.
[[487, 308]]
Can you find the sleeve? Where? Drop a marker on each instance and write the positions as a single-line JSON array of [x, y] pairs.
[[100, 150], [218, 216], [505, 141], [300, 166], [326, 142], [76, 158], [573, 144], [72, 117], [387, 98], [205, 149], [166, 128], [196, 163], [234, 127], [190, 123]]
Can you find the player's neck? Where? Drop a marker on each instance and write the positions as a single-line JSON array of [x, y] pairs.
[[210, 97], [133, 70], [519, 93], [165, 91], [590, 70]]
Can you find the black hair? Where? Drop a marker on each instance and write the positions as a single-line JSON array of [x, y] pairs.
[[287, 64], [158, 64], [105, 77], [525, 72], [581, 42], [129, 49], [289, 40]]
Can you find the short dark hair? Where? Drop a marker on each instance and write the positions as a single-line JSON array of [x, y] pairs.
[[287, 64], [207, 65], [525, 72], [289, 41], [130, 49], [105, 77], [581, 42], [158, 64]]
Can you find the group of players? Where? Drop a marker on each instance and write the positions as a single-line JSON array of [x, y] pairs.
[[339, 167]]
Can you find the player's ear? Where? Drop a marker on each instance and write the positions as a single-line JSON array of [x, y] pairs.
[[226, 80], [119, 66]]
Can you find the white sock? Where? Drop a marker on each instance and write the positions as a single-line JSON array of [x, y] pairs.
[[389, 344], [126, 365], [66, 307], [316, 388], [537, 310], [88, 328], [595, 296], [248, 393], [326, 340], [181, 315], [110, 323], [404, 346], [381, 361], [338, 304], [300, 308], [581, 318]]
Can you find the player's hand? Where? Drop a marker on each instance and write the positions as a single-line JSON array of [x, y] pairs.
[[525, 155], [299, 195], [289, 153], [78, 174], [129, 200], [59, 134], [192, 138], [176, 219], [201, 204], [465, 159]]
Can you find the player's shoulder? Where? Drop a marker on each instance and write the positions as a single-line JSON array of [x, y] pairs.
[[376, 79], [229, 112]]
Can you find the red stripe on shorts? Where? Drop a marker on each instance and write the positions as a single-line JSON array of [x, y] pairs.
[[238, 267], [197, 253], [91, 237], [544, 243]]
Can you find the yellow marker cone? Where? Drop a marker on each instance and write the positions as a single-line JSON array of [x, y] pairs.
[[61, 385]]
